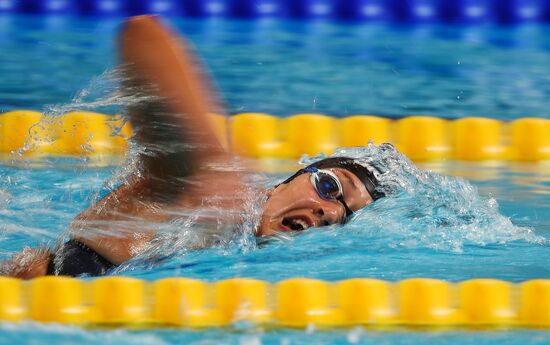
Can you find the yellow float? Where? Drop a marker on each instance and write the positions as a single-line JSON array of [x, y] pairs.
[[422, 138], [295, 302]]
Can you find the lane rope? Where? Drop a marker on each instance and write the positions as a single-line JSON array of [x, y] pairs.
[[295, 302], [26, 133], [453, 11]]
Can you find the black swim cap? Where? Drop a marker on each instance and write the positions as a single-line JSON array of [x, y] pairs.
[[352, 165]]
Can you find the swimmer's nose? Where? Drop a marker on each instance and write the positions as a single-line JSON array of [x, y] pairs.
[[329, 214]]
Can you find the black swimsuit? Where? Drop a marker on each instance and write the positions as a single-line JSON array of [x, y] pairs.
[[75, 258]]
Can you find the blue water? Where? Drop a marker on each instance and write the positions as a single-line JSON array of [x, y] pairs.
[[291, 67], [432, 227]]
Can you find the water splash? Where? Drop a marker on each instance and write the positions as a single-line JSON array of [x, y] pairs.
[[114, 92], [109, 93], [426, 209], [423, 209], [185, 232]]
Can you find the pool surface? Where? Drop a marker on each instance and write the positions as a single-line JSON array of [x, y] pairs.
[[442, 229], [289, 67]]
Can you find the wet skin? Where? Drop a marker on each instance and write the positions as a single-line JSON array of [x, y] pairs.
[[297, 204]]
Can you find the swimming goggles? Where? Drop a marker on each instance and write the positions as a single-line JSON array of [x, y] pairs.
[[329, 187]]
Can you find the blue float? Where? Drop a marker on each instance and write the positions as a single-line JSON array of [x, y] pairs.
[[207, 8], [7, 6], [103, 7], [48, 6], [419, 10], [258, 8], [512, 11], [368, 10], [163, 7], [468, 11], [313, 8]]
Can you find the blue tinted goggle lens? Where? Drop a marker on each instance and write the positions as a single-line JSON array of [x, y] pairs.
[[327, 186]]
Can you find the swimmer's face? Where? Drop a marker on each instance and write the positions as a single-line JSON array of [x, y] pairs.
[[296, 206]]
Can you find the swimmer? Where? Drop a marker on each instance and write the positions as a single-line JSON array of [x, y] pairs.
[[180, 169]]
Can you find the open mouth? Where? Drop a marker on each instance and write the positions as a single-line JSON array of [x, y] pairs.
[[296, 223]]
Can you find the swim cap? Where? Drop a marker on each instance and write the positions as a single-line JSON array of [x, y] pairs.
[[359, 169]]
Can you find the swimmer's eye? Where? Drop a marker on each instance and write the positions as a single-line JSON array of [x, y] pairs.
[[327, 185]]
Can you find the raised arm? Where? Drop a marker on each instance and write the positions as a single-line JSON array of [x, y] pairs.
[[178, 141], [182, 161]]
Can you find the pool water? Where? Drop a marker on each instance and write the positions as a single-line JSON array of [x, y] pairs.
[[36, 206], [441, 228], [288, 67]]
